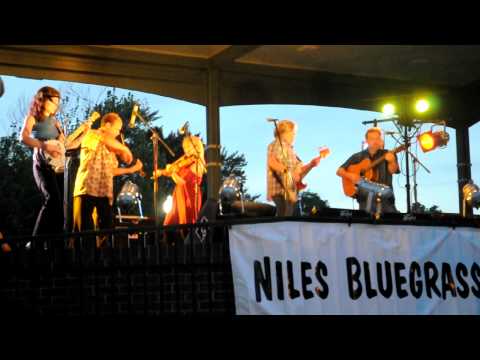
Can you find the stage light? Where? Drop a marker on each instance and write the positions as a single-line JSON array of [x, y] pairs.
[[129, 200], [168, 204], [388, 109], [471, 194], [431, 140], [229, 193], [422, 105]]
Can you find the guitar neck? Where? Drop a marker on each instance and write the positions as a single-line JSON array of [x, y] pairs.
[[76, 133], [80, 129], [376, 162], [382, 158]]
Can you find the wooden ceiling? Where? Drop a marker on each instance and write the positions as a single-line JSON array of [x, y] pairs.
[[355, 76]]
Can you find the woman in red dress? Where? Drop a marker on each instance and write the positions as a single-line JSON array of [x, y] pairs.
[[187, 173]]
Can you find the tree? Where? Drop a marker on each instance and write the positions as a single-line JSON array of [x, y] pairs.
[[311, 201], [234, 164], [421, 209], [20, 199]]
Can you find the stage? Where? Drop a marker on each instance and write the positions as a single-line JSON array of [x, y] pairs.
[[338, 262]]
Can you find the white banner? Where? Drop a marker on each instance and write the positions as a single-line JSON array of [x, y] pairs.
[[332, 268]]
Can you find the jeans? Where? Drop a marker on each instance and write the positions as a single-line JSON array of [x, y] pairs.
[[50, 219], [284, 207], [83, 207]]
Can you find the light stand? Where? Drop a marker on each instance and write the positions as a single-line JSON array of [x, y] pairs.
[[406, 140], [404, 130]]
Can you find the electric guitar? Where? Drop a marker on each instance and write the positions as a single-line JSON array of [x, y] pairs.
[[365, 169], [290, 186]]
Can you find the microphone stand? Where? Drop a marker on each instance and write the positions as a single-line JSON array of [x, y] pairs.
[[376, 121], [155, 140]]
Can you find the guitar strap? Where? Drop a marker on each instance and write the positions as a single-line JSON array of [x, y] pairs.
[[59, 128]]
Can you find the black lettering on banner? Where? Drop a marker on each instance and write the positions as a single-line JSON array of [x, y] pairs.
[[430, 279], [475, 271], [264, 280], [447, 281], [368, 283], [459, 272], [385, 289], [416, 286], [400, 280], [354, 277], [279, 272], [320, 271], [292, 292], [306, 280]]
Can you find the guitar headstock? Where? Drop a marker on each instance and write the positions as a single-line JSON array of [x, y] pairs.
[[400, 148], [324, 152], [93, 117]]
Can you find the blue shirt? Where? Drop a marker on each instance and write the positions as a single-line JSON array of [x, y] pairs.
[[46, 129]]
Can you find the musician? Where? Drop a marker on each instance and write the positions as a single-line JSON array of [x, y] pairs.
[[282, 160], [187, 173], [94, 180], [39, 126], [382, 172]]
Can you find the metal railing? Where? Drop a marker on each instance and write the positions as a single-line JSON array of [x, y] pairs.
[[143, 270]]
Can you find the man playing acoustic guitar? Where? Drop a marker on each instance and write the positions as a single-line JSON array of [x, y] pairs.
[[351, 170]]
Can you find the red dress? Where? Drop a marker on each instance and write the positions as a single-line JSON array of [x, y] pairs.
[[184, 208]]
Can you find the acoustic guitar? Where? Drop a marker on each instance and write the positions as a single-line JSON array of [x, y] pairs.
[[365, 169]]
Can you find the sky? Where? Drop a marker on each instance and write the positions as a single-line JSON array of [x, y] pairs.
[[245, 129]]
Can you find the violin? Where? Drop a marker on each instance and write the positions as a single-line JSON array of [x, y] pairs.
[[182, 162]]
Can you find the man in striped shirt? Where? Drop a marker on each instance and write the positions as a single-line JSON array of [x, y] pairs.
[[285, 169]]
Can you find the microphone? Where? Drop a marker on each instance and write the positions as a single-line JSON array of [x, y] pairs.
[[391, 132], [131, 124], [184, 128], [271, 120]]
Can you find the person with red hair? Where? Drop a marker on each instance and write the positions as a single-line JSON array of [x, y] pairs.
[[39, 126]]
